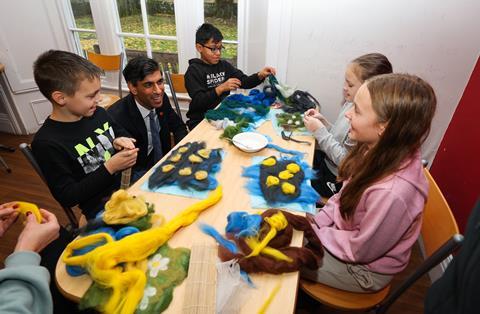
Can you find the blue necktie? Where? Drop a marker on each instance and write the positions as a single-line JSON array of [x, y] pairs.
[[155, 131]]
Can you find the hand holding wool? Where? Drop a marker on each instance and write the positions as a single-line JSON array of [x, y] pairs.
[[36, 236]]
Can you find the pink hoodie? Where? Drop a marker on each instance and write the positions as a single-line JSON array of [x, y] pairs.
[[385, 225]]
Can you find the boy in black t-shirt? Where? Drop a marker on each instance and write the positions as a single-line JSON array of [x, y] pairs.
[[77, 145], [209, 79]]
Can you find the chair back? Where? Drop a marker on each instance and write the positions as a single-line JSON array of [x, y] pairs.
[[440, 237], [27, 152], [178, 82], [438, 224], [108, 63], [177, 85]]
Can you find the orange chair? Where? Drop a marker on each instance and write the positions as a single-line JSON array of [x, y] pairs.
[[108, 63], [440, 239], [177, 85]]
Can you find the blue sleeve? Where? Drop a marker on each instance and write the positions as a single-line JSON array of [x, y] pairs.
[[24, 285]]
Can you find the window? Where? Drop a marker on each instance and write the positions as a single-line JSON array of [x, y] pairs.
[[148, 28], [161, 29], [82, 26], [223, 14]]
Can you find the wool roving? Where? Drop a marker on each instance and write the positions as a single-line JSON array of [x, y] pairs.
[[281, 180], [112, 265], [290, 121], [299, 257], [191, 165], [123, 208]]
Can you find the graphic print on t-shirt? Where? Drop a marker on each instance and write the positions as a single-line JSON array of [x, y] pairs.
[[91, 155], [215, 79]]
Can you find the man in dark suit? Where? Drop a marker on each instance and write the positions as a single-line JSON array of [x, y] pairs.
[[146, 114]]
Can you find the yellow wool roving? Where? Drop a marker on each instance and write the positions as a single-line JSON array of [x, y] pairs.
[[270, 251], [105, 263], [277, 222], [123, 208]]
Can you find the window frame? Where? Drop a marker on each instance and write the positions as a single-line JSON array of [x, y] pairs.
[[189, 14]]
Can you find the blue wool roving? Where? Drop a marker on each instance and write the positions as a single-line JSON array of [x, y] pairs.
[[125, 231], [209, 230], [75, 271], [243, 224]]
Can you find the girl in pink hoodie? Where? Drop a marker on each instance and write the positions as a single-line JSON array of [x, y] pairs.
[[369, 227]]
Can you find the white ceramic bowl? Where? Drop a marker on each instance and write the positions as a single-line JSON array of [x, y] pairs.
[[250, 142]]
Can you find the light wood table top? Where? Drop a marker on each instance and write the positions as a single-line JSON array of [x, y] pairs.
[[235, 198]]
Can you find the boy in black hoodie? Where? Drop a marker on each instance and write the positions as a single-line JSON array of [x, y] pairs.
[[209, 80]]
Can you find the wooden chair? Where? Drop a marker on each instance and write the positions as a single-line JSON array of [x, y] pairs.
[[440, 238], [108, 63], [27, 152], [177, 85]]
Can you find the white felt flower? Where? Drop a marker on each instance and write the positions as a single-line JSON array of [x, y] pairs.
[[147, 293], [157, 263]]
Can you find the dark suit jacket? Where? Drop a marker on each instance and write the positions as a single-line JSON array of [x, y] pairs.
[[125, 112]]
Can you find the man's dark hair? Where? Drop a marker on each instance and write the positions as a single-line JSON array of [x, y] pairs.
[[138, 68], [56, 70], [206, 32]]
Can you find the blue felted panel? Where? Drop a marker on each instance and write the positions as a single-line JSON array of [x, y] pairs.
[[305, 202], [192, 193]]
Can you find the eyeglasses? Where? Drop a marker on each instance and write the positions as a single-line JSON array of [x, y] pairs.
[[214, 49]]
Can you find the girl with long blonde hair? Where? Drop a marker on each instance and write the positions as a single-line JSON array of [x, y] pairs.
[[369, 227]]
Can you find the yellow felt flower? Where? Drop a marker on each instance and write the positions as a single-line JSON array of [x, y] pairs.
[[269, 162], [183, 149], [285, 175], [293, 167], [272, 180], [195, 159], [288, 188], [185, 171], [176, 157], [205, 153], [167, 168], [201, 175]]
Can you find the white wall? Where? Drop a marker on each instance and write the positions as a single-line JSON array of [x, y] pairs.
[[27, 28], [437, 40], [255, 35]]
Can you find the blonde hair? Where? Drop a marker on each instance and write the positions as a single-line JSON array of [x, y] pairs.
[[370, 65], [407, 104]]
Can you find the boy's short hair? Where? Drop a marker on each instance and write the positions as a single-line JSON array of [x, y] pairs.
[[138, 68], [56, 70], [206, 32]]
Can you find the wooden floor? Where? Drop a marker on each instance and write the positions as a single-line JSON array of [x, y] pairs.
[[23, 184]]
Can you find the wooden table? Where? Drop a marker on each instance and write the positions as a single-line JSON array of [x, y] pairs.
[[235, 198]]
